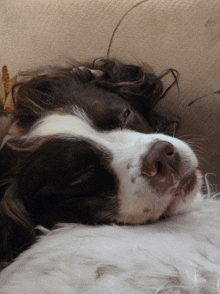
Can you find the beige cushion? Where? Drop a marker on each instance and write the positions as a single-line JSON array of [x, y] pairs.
[[182, 34]]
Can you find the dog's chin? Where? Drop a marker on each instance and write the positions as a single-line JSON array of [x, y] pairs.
[[181, 192], [184, 192], [170, 201]]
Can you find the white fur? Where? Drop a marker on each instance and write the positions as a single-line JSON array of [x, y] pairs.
[[138, 203], [179, 255]]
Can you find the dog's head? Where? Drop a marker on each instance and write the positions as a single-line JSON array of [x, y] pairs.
[[80, 148]]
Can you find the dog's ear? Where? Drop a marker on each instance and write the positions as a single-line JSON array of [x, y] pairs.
[[16, 229], [39, 93], [134, 83]]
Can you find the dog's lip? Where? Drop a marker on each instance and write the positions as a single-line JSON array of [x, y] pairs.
[[189, 182], [186, 183]]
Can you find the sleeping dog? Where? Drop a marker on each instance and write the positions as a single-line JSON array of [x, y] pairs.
[[83, 145]]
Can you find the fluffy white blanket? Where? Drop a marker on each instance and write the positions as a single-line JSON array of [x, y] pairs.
[[177, 255]]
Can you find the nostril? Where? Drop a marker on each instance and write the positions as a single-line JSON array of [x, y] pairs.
[[170, 153], [165, 147], [158, 166], [162, 159]]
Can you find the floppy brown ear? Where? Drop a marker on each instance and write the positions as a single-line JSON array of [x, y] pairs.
[[16, 229]]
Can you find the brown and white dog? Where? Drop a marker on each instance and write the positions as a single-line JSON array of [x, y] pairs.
[[80, 148]]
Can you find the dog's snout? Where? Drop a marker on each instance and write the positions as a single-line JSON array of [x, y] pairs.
[[162, 160]]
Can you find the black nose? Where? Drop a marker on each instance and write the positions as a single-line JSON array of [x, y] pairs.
[[162, 159]]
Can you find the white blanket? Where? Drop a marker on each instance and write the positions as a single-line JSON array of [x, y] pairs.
[[177, 255]]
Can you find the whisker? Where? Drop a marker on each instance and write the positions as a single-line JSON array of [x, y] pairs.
[[192, 136], [177, 115], [210, 188]]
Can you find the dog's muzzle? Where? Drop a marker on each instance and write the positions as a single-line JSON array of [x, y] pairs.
[[165, 169]]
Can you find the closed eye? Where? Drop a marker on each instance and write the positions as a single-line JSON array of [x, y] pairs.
[[83, 175]]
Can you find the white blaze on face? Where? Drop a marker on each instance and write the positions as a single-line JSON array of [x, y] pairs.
[[138, 202]]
